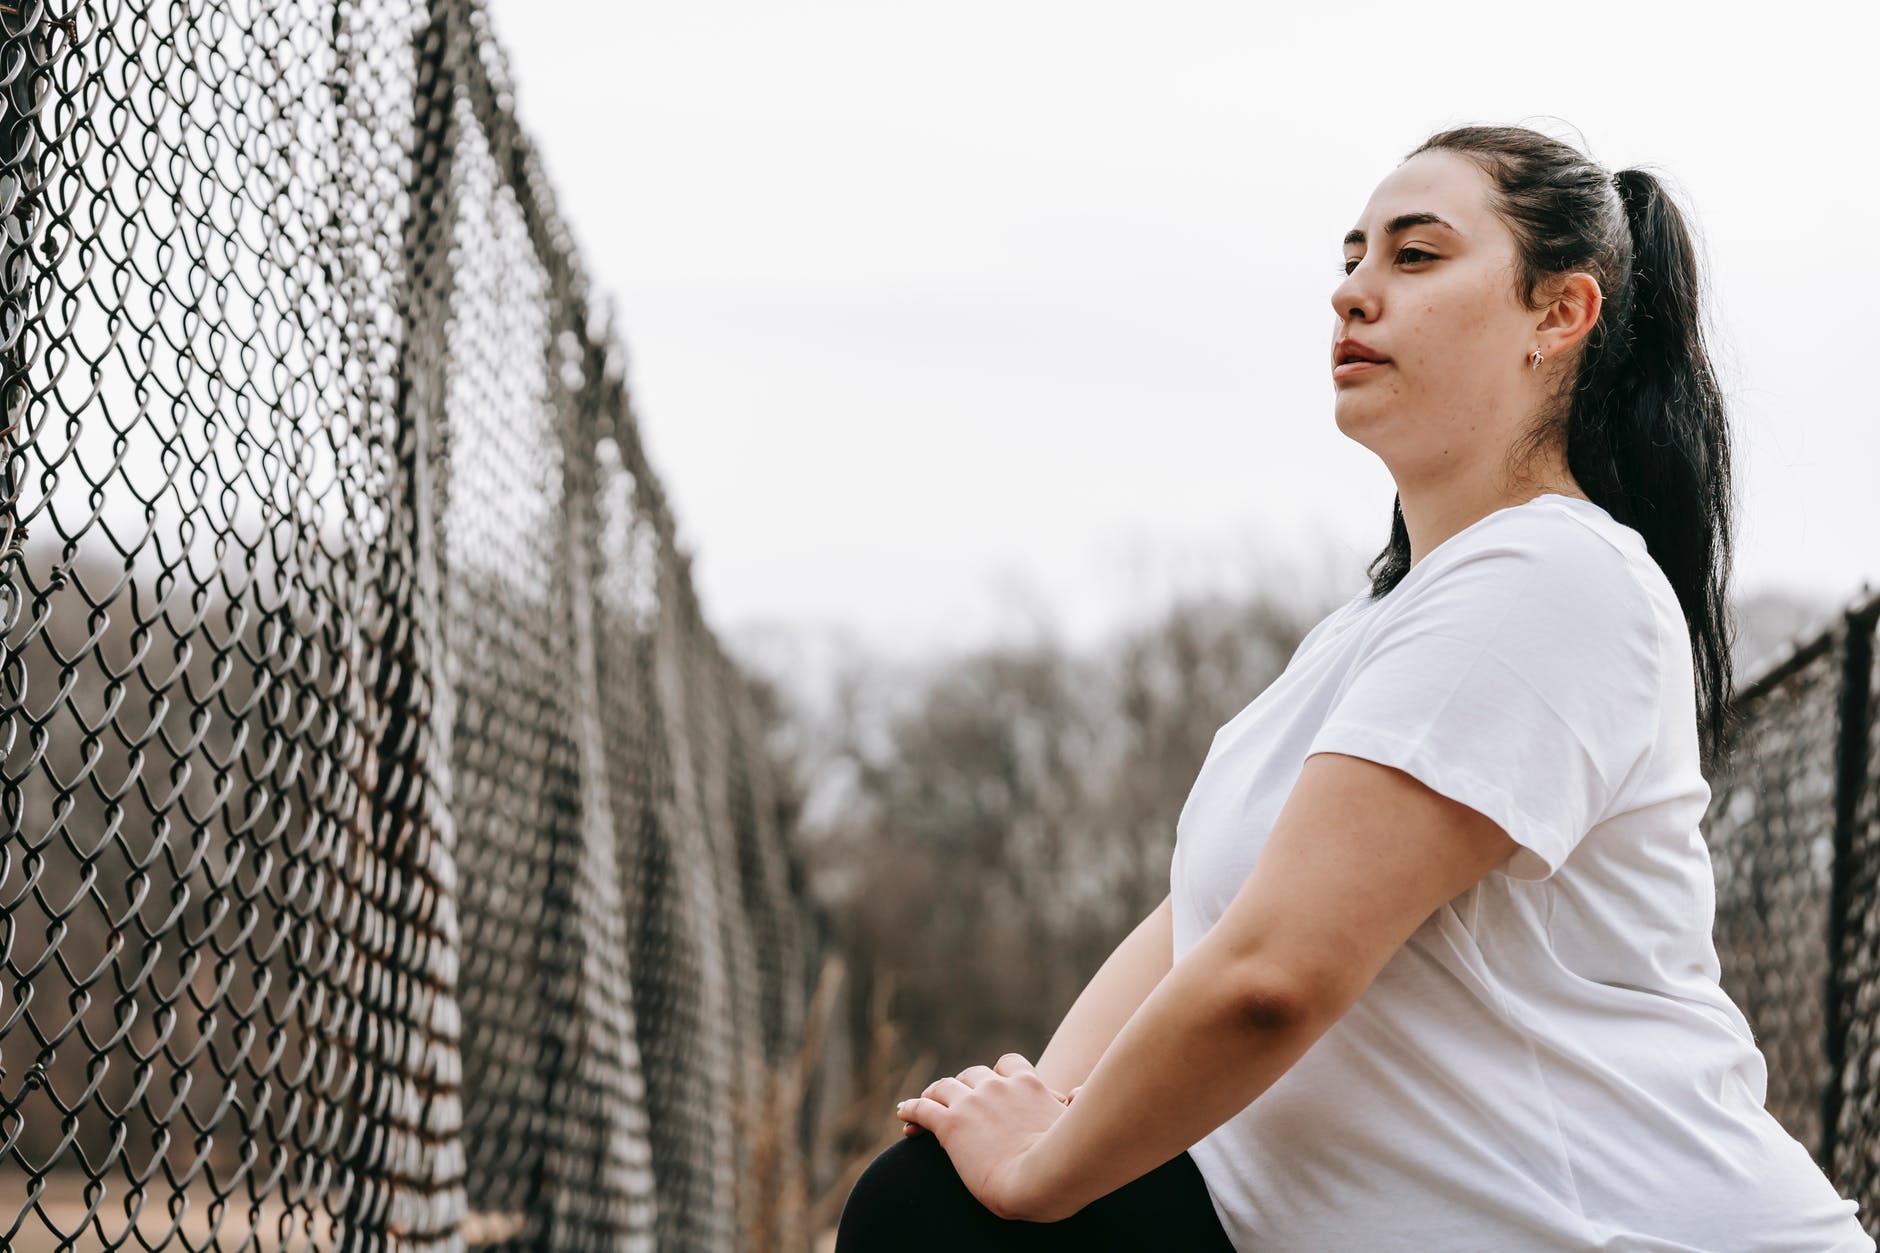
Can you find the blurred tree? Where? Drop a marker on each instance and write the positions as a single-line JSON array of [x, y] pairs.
[[1007, 816]]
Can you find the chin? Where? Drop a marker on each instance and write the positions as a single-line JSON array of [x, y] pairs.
[[1353, 407], [1359, 417]]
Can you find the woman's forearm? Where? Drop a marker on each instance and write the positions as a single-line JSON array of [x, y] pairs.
[[1113, 994], [1208, 1040]]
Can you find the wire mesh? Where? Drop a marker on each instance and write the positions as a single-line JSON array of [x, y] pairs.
[[1795, 845], [391, 857], [1771, 834]]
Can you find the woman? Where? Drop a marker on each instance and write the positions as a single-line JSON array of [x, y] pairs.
[[1436, 969]]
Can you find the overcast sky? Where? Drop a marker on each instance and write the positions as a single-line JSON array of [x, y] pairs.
[[928, 303]]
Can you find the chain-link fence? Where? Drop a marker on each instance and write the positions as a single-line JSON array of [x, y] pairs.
[[1794, 836], [390, 856]]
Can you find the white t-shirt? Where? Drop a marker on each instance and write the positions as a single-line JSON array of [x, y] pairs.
[[1549, 1063]]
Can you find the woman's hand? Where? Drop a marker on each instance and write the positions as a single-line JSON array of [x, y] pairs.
[[987, 1118], [909, 1129]]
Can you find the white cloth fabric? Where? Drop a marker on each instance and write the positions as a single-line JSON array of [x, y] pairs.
[[1550, 1062]]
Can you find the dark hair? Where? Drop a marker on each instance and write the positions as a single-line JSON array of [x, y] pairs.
[[1643, 419]]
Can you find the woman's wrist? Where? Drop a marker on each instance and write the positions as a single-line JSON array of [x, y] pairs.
[[1037, 1188]]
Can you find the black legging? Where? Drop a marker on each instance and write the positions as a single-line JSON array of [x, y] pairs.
[[911, 1200]]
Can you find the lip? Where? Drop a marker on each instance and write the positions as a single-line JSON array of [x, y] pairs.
[[1350, 348], [1356, 369]]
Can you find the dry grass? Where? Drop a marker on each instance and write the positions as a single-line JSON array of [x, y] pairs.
[[778, 1212]]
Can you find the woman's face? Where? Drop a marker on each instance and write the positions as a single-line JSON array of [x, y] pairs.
[[1437, 299]]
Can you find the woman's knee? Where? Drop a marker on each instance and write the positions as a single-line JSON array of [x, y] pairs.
[[908, 1197]]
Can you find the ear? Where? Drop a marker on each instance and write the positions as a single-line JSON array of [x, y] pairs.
[[1569, 316]]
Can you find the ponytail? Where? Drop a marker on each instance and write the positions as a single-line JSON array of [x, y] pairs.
[[1648, 436]]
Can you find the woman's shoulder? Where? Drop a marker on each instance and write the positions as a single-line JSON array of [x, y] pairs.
[[1561, 530], [1565, 553], [1555, 582], [1552, 551]]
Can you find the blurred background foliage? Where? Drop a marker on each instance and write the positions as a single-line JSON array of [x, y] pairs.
[[984, 828]]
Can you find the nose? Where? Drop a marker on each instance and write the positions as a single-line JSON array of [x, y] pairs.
[[1353, 299]]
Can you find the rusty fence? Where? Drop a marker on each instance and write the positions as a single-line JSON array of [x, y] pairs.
[[390, 857]]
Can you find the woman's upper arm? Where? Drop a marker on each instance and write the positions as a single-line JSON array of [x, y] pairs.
[[1487, 724], [1359, 857]]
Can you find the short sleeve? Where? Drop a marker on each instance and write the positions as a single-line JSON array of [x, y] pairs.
[[1520, 678]]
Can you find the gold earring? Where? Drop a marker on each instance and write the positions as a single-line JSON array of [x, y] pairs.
[[1534, 362]]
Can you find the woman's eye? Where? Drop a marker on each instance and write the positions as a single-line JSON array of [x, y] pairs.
[[1345, 266]]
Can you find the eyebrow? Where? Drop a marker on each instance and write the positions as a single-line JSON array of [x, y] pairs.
[[1402, 222]]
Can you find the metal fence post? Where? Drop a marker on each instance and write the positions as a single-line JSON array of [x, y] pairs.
[[1856, 629]]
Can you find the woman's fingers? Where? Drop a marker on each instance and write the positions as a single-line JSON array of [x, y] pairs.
[[1011, 1063], [948, 1088]]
